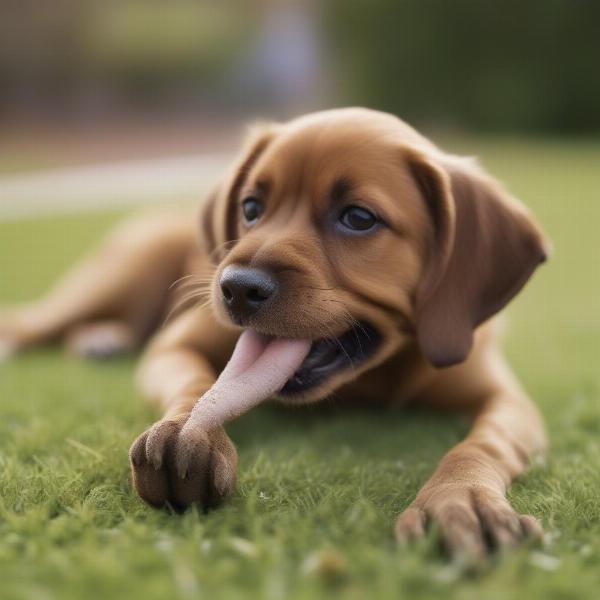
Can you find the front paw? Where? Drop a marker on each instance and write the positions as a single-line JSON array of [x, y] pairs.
[[183, 468], [473, 520]]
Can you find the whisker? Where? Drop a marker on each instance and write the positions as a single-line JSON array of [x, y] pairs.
[[184, 302], [336, 340], [312, 287], [204, 304], [352, 321], [180, 280], [220, 246], [205, 285]]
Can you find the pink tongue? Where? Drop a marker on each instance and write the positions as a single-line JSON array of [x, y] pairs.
[[258, 368]]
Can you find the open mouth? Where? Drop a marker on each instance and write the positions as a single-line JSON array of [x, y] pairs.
[[328, 356]]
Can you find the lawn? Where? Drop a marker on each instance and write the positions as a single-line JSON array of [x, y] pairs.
[[318, 490]]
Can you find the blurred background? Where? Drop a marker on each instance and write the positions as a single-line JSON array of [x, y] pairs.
[[109, 82], [119, 105]]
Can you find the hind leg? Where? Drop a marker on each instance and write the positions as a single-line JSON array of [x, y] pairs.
[[114, 297]]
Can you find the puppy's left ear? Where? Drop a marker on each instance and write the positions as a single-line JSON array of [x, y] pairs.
[[485, 246], [219, 213]]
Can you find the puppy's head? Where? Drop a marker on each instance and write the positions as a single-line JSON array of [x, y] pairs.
[[350, 229]]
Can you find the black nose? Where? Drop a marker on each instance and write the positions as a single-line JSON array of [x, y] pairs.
[[245, 289]]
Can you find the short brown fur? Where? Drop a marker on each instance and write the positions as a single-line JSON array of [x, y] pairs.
[[454, 250]]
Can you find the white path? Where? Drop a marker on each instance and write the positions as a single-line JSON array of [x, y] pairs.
[[103, 186]]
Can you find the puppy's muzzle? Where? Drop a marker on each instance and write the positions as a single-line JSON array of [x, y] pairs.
[[246, 290]]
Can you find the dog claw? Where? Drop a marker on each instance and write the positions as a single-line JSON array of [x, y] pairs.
[[192, 446], [182, 463], [156, 442], [137, 452], [224, 476], [410, 526], [531, 527]]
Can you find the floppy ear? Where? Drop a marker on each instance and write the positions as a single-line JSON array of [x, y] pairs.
[[218, 214], [484, 249]]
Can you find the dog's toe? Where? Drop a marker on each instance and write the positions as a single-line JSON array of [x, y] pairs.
[[224, 476], [151, 483], [191, 453], [531, 527], [500, 523], [410, 525], [462, 536], [161, 437]]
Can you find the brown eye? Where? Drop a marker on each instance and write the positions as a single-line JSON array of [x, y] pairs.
[[358, 219], [252, 208]]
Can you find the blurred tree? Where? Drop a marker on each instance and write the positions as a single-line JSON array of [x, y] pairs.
[[487, 64], [69, 56]]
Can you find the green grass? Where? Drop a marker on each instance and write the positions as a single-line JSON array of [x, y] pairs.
[[318, 490]]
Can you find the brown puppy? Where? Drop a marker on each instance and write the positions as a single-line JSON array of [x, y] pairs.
[[350, 229]]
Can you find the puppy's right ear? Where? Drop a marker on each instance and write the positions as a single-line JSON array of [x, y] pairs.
[[219, 213]]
